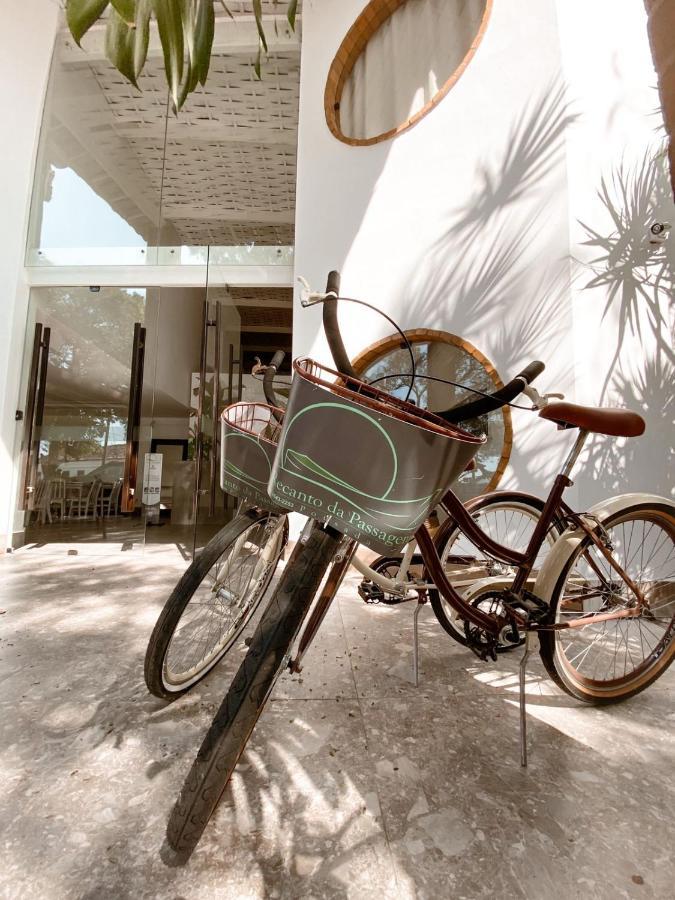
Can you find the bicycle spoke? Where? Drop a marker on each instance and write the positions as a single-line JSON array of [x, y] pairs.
[[223, 600], [623, 647]]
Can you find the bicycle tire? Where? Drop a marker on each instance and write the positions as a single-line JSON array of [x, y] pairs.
[[616, 634], [448, 533], [267, 656], [179, 600]]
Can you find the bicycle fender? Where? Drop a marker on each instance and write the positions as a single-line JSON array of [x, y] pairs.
[[570, 539]]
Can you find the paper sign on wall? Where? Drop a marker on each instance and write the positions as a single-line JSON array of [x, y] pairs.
[[152, 479]]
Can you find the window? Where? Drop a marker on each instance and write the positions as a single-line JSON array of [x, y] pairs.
[[397, 61]]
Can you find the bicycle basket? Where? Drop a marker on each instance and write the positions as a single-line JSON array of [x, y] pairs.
[[371, 464], [249, 436]]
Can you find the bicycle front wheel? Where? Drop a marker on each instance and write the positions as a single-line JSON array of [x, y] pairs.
[[609, 660], [213, 601], [267, 656], [509, 519]]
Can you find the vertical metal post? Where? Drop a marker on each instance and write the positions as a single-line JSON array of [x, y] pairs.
[[230, 375], [416, 652], [240, 363], [29, 419], [523, 712], [128, 499], [199, 436], [215, 409]]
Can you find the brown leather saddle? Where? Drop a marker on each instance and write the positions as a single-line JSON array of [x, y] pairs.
[[617, 422]]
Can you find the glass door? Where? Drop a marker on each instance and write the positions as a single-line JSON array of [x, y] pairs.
[[217, 383], [85, 435]]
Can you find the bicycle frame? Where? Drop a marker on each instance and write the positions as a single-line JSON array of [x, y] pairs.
[[555, 509]]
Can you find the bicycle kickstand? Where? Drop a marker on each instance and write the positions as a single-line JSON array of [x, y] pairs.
[[523, 713], [416, 643]]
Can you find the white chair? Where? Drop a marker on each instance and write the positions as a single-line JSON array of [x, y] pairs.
[[85, 504], [56, 497], [109, 497]]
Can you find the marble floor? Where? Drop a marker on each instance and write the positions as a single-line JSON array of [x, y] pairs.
[[355, 783]]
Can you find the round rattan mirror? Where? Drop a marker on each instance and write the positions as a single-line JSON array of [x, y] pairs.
[[444, 355], [397, 61]]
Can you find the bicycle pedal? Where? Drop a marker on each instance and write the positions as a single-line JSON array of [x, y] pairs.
[[370, 593]]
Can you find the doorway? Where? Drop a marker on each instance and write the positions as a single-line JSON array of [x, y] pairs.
[[82, 432], [124, 388]]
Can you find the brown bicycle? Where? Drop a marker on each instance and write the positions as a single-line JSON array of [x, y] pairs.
[[602, 603]]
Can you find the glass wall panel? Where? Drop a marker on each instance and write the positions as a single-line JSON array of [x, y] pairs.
[[82, 461], [93, 202], [122, 180]]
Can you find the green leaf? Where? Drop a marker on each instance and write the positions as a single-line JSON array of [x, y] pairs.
[[119, 45], [126, 9], [204, 32], [257, 12], [81, 15], [188, 17], [256, 64], [170, 25], [292, 12], [141, 34]]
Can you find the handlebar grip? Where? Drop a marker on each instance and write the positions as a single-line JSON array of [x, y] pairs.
[[268, 378], [499, 398], [532, 371], [333, 283], [277, 359], [331, 328]]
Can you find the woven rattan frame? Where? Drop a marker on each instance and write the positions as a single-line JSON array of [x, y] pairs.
[[417, 335], [366, 25]]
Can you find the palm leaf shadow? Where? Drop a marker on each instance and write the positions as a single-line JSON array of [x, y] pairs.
[[632, 272]]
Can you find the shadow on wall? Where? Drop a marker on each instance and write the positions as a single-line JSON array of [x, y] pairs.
[[637, 281], [492, 238], [636, 275], [492, 273]]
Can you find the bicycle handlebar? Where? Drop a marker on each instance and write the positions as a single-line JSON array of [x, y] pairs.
[[457, 414], [499, 398]]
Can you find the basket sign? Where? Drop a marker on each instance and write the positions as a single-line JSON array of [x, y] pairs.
[[371, 475], [248, 445]]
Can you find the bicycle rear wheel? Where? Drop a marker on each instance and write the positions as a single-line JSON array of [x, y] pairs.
[[611, 660], [267, 656], [213, 601], [508, 518]]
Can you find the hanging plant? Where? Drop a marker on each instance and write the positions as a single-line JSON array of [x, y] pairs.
[[186, 29]]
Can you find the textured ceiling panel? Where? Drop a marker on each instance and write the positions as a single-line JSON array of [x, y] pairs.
[[230, 153]]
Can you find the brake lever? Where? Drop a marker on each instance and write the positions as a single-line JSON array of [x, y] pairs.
[[539, 401], [308, 297]]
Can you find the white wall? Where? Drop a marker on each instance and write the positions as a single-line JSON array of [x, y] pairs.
[[28, 33], [173, 318], [612, 83], [460, 223], [466, 222]]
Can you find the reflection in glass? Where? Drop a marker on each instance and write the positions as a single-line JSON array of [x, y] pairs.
[[77, 469], [119, 175], [440, 359]]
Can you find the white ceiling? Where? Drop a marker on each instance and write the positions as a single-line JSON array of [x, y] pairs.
[[223, 171]]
